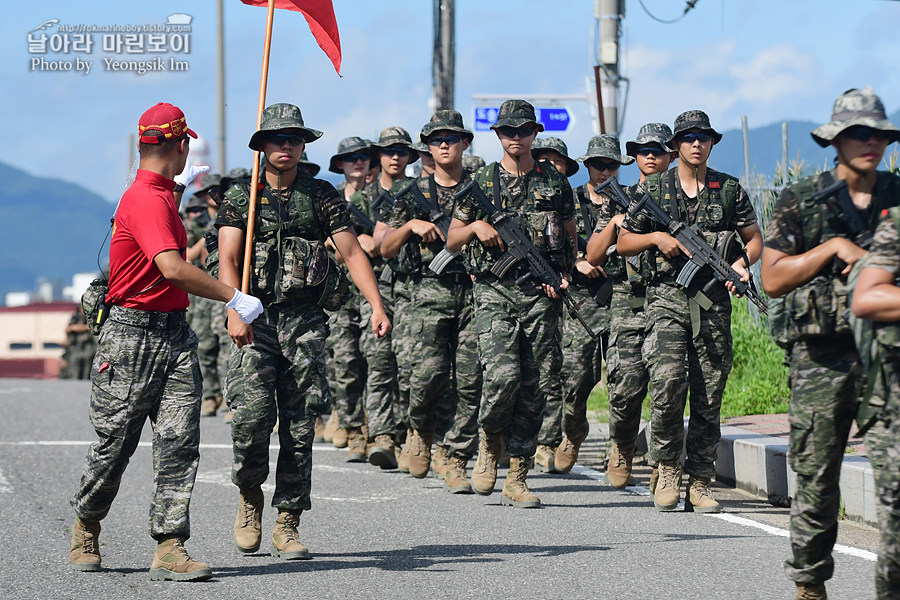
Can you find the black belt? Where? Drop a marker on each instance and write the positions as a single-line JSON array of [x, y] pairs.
[[148, 319]]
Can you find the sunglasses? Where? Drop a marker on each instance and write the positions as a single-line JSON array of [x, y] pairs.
[[352, 158], [284, 138], [522, 131], [602, 165], [448, 139], [690, 138], [650, 150], [861, 133], [392, 150]]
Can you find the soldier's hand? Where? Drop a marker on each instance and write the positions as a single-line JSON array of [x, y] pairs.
[[367, 243], [487, 234], [587, 269], [847, 252], [381, 325], [742, 271], [240, 332], [669, 246], [551, 293], [428, 231]]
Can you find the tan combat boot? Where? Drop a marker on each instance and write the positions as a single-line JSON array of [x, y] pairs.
[[700, 497], [420, 453], [403, 456], [171, 562], [618, 471], [248, 523], [484, 475], [811, 591], [340, 438], [455, 480], [85, 552], [654, 479], [356, 446], [330, 427], [567, 454], [383, 452], [545, 459], [285, 539], [319, 431], [515, 491], [668, 488], [208, 407], [440, 461]]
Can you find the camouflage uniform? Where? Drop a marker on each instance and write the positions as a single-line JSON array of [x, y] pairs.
[[79, 352], [518, 325], [881, 439], [282, 374]]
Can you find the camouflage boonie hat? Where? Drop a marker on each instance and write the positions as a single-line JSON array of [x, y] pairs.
[[556, 145], [856, 107], [230, 176], [310, 166], [515, 113], [605, 146], [421, 148], [472, 163], [449, 120], [396, 136], [347, 146], [195, 203], [282, 116], [650, 134], [693, 119], [208, 181]]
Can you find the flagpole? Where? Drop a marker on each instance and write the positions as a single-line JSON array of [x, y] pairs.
[[254, 179]]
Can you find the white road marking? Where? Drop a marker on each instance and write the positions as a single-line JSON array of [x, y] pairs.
[[8, 391], [5, 486]]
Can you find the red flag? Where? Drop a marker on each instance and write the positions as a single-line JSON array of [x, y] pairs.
[[320, 17]]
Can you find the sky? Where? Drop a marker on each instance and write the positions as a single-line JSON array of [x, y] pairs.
[[771, 60]]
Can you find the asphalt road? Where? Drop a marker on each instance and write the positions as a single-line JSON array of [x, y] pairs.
[[378, 534]]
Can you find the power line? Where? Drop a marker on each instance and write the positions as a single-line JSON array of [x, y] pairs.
[[688, 7]]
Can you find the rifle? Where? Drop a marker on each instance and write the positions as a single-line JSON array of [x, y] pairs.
[[363, 219], [702, 254], [837, 196], [615, 193], [520, 249], [436, 216]]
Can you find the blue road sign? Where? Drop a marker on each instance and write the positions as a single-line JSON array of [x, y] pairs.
[[555, 118]]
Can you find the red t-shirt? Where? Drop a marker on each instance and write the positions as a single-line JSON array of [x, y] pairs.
[[146, 224]]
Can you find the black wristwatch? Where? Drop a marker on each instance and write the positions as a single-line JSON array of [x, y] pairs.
[[179, 188]]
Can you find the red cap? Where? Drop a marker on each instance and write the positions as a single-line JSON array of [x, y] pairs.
[[166, 118]]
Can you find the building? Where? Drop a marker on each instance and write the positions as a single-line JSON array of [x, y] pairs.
[[32, 338]]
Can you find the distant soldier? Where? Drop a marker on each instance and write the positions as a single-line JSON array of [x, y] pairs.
[[627, 374], [517, 319], [278, 368], [445, 388], [472, 163], [809, 252], [426, 158], [80, 348], [689, 342]]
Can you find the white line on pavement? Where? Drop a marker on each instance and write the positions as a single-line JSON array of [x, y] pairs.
[[5, 486]]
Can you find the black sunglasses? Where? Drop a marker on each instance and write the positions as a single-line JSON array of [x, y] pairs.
[[392, 150], [690, 138], [449, 139], [602, 165], [861, 133], [650, 150], [281, 138], [523, 131], [351, 158]]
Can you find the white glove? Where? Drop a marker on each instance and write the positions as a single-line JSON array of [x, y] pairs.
[[248, 307], [189, 173]]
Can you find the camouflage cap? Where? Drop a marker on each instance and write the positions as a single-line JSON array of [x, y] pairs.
[[515, 113], [310, 166], [650, 134], [421, 148], [605, 146], [207, 181], [347, 146], [856, 107], [396, 136], [282, 116], [195, 203], [555, 144], [693, 120], [449, 120], [472, 163], [230, 176]]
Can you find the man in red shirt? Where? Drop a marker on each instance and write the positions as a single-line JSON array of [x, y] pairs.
[[146, 362]]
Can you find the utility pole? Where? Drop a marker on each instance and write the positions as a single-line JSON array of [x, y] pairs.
[[220, 95], [608, 15], [444, 57]]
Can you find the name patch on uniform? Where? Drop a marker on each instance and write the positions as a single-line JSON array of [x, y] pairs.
[[714, 185]]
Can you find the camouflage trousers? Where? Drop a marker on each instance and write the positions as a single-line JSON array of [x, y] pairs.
[[281, 374], [826, 381], [626, 369], [346, 363], [401, 345], [582, 362], [139, 374], [382, 404], [445, 390], [209, 322], [884, 454], [679, 362], [518, 339]]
